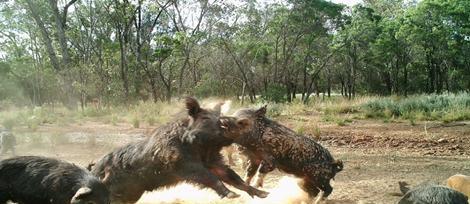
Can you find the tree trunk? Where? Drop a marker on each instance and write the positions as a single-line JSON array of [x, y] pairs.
[[305, 78], [294, 91], [329, 86], [168, 94], [181, 73], [60, 24], [388, 83], [45, 35], [288, 93], [243, 92], [153, 86], [353, 74], [60, 68], [405, 78], [240, 67], [123, 66]]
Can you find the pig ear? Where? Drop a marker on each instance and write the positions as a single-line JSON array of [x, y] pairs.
[[217, 108], [403, 187], [192, 106], [244, 124], [261, 112], [82, 193], [90, 166], [107, 173]]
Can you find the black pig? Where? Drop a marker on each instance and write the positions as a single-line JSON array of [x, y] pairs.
[[187, 149], [40, 180], [427, 193]]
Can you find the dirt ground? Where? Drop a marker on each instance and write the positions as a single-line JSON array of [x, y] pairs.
[[376, 155]]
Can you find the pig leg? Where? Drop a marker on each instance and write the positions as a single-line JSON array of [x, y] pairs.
[[310, 187], [252, 167], [320, 174], [265, 167], [196, 173], [230, 157], [244, 156], [260, 179], [251, 164], [229, 176], [4, 196], [326, 188], [129, 193]]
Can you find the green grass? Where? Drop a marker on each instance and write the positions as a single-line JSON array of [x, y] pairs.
[[426, 107], [445, 108], [337, 110], [136, 114], [308, 128], [135, 122]]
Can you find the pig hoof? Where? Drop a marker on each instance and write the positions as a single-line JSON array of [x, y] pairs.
[[232, 195], [262, 194]]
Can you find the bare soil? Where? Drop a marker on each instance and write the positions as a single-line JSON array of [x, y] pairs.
[[376, 154]]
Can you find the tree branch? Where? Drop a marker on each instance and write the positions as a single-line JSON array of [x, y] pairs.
[[65, 10]]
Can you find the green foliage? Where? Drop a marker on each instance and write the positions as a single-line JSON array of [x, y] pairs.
[[274, 93], [449, 107], [8, 123], [135, 122], [151, 120], [113, 119], [124, 52], [308, 129], [274, 111], [95, 112], [341, 122], [207, 87], [412, 122]]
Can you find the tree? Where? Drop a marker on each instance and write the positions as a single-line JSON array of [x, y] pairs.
[[122, 51]]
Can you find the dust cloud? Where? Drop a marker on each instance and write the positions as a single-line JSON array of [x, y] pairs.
[[182, 193], [211, 103], [285, 191]]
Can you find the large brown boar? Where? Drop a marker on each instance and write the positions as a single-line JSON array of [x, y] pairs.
[[187, 149]]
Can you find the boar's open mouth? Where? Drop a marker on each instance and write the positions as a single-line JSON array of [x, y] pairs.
[[235, 127]]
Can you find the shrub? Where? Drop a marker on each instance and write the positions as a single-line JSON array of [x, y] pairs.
[[275, 93], [135, 122], [113, 119], [8, 123], [341, 122], [316, 132], [151, 120], [274, 110], [445, 107]]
